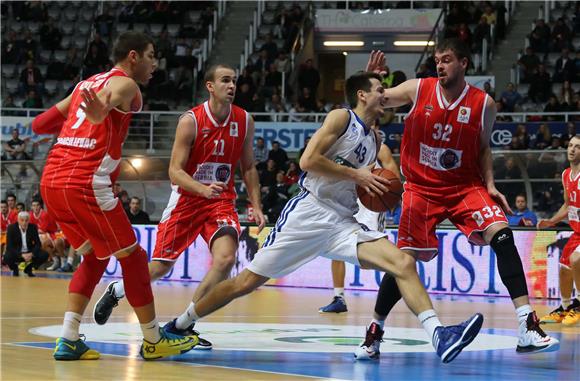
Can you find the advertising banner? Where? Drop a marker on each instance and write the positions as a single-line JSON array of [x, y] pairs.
[[291, 136], [384, 20], [24, 126], [460, 268]]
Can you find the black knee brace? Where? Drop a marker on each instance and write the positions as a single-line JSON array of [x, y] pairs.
[[509, 264], [388, 295]]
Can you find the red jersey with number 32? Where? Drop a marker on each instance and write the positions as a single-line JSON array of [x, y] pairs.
[[217, 148], [572, 189], [441, 141], [87, 155]]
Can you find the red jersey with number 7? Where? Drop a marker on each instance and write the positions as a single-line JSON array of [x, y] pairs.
[[572, 189], [87, 155], [441, 141], [218, 147]]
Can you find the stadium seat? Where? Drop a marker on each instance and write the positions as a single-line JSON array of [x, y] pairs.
[[42, 69], [122, 27], [70, 14], [33, 27], [8, 71], [173, 29], [11, 85], [65, 43], [45, 56], [140, 27], [51, 87], [83, 28], [155, 29], [65, 85], [59, 55]]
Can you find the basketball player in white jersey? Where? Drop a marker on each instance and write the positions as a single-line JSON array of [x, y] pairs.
[[319, 221], [372, 220]]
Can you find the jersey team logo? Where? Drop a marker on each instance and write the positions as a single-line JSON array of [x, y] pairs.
[[234, 129], [449, 159], [222, 173], [463, 114]]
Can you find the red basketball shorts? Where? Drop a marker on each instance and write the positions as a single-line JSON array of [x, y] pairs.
[[471, 209], [187, 217], [88, 215], [572, 246]]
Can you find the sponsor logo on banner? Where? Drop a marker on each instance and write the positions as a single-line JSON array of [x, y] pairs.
[[463, 114], [460, 268]]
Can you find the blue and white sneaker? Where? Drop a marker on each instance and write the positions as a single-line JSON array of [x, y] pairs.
[[337, 305], [451, 340], [189, 331]]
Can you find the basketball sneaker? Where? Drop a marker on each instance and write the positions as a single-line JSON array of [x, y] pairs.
[[105, 304], [555, 316], [74, 350], [369, 349], [572, 317], [337, 305], [533, 339], [450, 341], [168, 345], [189, 331]]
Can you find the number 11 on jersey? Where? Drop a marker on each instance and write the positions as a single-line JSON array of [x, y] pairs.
[[219, 146]]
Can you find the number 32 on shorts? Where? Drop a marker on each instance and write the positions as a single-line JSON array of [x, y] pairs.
[[486, 213]]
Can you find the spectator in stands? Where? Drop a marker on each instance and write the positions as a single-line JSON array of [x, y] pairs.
[[8, 103], [35, 11], [102, 50], [246, 77], [32, 100], [481, 32], [424, 72], [521, 138], [293, 173], [262, 65], [522, 215], [570, 132], [488, 89], [270, 47], [29, 47], [20, 207], [279, 155], [14, 149], [71, 65], [501, 109], [540, 85], [268, 175], [104, 22], [489, 15], [23, 245], [135, 214], [11, 50], [294, 111], [509, 170], [552, 106], [275, 105], [50, 35], [308, 77], [529, 64], [30, 79], [184, 84], [565, 69], [561, 35], [272, 82], [510, 98], [543, 137], [540, 37], [464, 34], [321, 106], [306, 100], [244, 98], [164, 45], [124, 199], [94, 62], [260, 154], [283, 63], [557, 158]]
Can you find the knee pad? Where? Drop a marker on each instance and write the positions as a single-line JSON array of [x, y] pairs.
[[136, 278], [88, 275], [509, 264]]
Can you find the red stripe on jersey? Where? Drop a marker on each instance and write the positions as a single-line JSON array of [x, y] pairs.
[[441, 141], [83, 150], [217, 148]]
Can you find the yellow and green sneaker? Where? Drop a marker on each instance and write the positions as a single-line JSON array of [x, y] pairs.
[[168, 345], [73, 350]]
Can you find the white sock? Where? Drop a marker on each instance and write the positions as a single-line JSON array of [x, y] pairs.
[[119, 288], [430, 321], [339, 291], [185, 319], [151, 331], [70, 326], [70, 260], [523, 312], [381, 323], [566, 302]]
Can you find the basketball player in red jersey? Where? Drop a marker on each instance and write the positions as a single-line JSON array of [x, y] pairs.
[[446, 160], [211, 139], [76, 187], [47, 228], [6, 218], [568, 313]]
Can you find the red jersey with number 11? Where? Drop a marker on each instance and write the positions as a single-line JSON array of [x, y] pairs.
[[87, 155], [217, 148], [441, 141]]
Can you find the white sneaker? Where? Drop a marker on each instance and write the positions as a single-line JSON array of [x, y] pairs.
[[55, 264], [533, 339], [370, 348]]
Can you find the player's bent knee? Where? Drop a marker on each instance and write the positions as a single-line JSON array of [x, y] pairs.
[[126, 251], [224, 262], [158, 269]]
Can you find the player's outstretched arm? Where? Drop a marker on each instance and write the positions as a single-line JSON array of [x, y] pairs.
[[313, 159], [397, 96], [250, 175], [560, 215], [51, 121], [184, 139], [485, 159]]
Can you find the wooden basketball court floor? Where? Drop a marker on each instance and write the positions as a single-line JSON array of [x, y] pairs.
[[272, 334]]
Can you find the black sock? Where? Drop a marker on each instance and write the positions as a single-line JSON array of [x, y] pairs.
[[388, 296], [509, 264]]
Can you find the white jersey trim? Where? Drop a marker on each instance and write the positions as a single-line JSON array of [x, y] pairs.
[[443, 103], [210, 116], [484, 131], [171, 204]]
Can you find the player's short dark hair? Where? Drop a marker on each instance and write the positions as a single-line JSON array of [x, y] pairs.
[[128, 41], [210, 73], [359, 81], [522, 195], [135, 198], [458, 47], [3, 202], [10, 195]]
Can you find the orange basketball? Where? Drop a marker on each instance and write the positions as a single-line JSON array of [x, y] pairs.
[[387, 200]]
